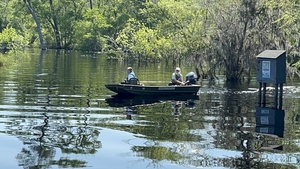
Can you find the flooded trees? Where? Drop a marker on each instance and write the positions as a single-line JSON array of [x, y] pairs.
[[211, 35], [245, 28], [233, 40]]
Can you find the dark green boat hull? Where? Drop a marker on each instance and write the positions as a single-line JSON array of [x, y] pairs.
[[140, 90]]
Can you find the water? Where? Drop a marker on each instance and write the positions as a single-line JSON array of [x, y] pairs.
[[56, 113]]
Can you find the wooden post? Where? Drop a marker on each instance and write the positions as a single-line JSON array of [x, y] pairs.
[[276, 96], [259, 94], [280, 96], [264, 94]]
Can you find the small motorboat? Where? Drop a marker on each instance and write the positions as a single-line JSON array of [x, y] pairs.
[[134, 87]]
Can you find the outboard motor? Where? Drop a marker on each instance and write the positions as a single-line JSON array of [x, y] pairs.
[[191, 78]]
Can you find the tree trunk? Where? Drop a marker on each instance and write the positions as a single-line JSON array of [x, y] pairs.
[[38, 25], [91, 4], [55, 27]]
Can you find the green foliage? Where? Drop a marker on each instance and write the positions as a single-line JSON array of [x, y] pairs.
[[288, 20], [89, 31], [289, 8], [140, 40], [9, 39], [172, 29]]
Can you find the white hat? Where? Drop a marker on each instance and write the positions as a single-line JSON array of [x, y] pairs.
[[177, 68]]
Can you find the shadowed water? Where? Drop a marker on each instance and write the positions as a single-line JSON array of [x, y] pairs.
[[56, 113]]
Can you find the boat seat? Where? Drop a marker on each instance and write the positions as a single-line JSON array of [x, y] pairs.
[[134, 81]]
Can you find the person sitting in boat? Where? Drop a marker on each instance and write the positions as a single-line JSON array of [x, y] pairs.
[[190, 78], [130, 74], [177, 78], [131, 78]]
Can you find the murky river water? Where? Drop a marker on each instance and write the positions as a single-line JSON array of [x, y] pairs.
[[56, 113]]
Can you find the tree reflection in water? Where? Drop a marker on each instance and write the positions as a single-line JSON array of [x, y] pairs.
[[40, 151], [170, 129]]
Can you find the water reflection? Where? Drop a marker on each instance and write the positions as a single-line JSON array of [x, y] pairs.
[[121, 101], [131, 103], [166, 123], [176, 106], [55, 134], [129, 111], [46, 130], [269, 129], [270, 123]]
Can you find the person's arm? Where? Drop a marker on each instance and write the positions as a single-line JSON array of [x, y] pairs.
[[181, 80]]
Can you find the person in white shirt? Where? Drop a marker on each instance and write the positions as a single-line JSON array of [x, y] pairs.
[[177, 78], [130, 74]]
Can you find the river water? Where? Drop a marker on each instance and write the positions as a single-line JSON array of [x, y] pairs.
[[55, 112]]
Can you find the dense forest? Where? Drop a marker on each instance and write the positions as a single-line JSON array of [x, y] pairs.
[[210, 34]]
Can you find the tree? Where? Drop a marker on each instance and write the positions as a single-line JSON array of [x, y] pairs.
[[89, 32], [54, 23], [38, 24], [288, 20]]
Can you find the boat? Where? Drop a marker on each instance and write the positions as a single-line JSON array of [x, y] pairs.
[[134, 87], [142, 90]]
